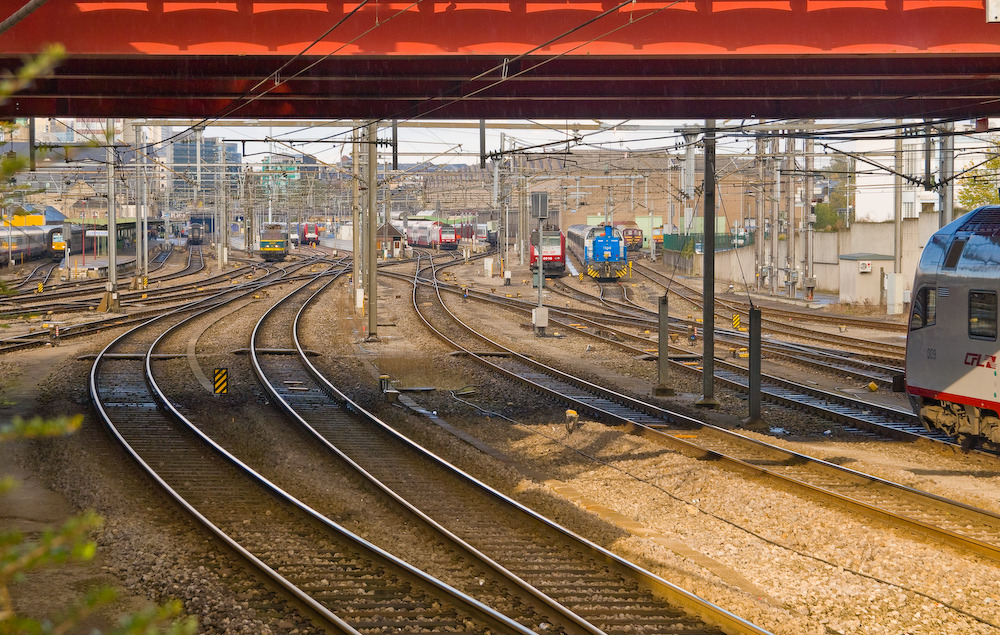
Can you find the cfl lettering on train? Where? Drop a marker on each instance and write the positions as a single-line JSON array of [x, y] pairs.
[[980, 360]]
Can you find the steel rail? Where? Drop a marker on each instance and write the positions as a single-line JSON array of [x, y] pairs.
[[776, 326], [707, 610], [62, 289], [372, 552], [759, 457], [283, 400], [488, 616]]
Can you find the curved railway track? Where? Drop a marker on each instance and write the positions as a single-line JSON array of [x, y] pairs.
[[951, 522], [856, 415], [348, 584], [77, 296], [539, 569], [39, 275], [142, 308], [62, 288]]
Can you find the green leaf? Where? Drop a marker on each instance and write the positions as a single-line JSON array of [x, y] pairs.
[[39, 427]]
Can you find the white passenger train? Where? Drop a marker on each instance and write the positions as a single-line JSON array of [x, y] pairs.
[[952, 368], [428, 233]]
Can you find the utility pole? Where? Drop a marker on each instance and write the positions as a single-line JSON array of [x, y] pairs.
[[110, 303], [652, 243], [791, 264], [759, 196], [810, 274], [216, 215], [690, 138], [356, 216], [197, 161], [141, 247], [224, 213], [708, 307], [775, 214], [372, 231], [387, 207], [143, 241], [249, 212], [523, 231], [897, 206], [893, 284], [946, 201], [499, 203], [540, 210]]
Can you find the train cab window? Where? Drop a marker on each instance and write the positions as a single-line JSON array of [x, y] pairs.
[[924, 309], [954, 253], [983, 314]]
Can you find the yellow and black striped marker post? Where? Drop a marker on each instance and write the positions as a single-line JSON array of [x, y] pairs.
[[41, 287], [736, 321], [221, 381]]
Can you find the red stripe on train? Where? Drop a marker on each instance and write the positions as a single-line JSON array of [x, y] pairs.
[[954, 398]]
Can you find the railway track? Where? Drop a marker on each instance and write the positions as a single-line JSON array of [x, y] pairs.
[[139, 308], [856, 415], [84, 295], [39, 275], [348, 585], [632, 314], [786, 320], [539, 571], [951, 522], [61, 288]]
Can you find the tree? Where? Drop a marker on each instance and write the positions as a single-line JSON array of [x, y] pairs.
[[836, 213], [979, 186], [827, 218], [71, 541]]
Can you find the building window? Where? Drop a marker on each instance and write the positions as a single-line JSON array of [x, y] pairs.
[[924, 309], [983, 314]]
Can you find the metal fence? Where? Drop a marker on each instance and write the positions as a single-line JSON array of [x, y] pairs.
[[723, 242]]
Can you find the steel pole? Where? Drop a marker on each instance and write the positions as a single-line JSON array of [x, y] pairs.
[[358, 287], [111, 304], [708, 253], [372, 231]]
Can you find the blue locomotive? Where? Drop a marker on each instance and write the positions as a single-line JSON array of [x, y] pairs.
[[601, 250]]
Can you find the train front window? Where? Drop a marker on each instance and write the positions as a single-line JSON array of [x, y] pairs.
[[954, 253], [983, 314], [550, 240], [924, 309]]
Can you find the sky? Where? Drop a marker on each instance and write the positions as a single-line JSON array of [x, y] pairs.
[[444, 143]]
